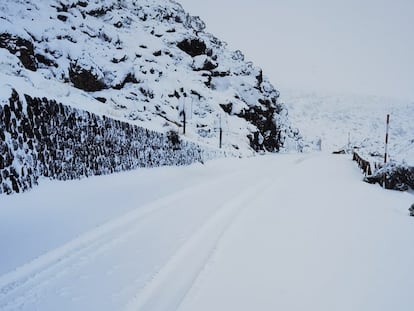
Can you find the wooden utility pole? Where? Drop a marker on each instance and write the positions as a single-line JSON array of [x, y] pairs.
[[386, 151], [184, 121], [221, 132], [184, 117], [386, 139]]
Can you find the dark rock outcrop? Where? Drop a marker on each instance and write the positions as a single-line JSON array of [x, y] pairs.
[[267, 138], [21, 47], [85, 79], [193, 47], [227, 107]]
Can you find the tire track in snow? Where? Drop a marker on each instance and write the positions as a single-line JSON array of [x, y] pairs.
[[170, 286], [183, 268], [30, 277], [31, 284]]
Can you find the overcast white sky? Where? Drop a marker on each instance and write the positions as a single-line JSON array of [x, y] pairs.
[[350, 46]]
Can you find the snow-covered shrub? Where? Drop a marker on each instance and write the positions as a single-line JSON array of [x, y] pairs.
[[393, 175], [411, 210], [173, 140]]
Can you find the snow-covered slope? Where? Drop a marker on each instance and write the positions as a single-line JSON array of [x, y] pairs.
[[142, 61], [147, 63], [334, 118]]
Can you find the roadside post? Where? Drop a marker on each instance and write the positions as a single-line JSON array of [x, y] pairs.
[[386, 150]]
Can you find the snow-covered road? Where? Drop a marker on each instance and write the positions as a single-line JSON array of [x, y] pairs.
[[288, 232]]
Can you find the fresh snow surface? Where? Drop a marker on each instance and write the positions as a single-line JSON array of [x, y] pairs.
[[277, 232]]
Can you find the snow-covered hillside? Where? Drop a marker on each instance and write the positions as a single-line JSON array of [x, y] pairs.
[[147, 63], [142, 61], [335, 118]]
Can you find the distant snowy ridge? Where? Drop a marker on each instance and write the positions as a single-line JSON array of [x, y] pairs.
[[338, 122], [145, 62], [337, 119]]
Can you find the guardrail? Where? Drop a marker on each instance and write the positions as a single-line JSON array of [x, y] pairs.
[[364, 165], [396, 176]]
